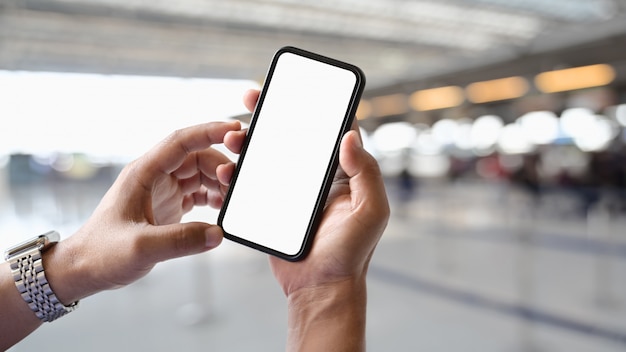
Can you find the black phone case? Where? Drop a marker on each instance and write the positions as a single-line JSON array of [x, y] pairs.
[[330, 172]]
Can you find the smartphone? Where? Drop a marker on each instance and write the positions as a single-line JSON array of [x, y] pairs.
[[290, 155]]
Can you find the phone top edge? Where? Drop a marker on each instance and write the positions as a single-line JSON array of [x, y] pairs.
[[360, 75]]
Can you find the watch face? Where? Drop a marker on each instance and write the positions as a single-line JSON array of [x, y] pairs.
[[39, 297], [41, 242]]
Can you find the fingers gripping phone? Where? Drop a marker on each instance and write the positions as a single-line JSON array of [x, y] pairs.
[[290, 155]]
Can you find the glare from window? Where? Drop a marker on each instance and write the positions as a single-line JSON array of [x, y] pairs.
[[590, 132], [464, 134], [620, 114], [393, 137], [540, 127], [445, 131], [598, 136], [576, 122], [115, 118], [427, 144], [486, 131], [514, 140]]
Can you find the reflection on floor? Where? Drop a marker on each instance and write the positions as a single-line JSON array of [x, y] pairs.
[[461, 267]]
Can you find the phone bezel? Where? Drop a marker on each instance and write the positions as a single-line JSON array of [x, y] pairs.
[[332, 164]]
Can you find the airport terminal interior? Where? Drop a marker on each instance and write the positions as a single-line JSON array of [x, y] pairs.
[[499, 127]]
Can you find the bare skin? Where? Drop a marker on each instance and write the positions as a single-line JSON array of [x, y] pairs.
[[137, 224]]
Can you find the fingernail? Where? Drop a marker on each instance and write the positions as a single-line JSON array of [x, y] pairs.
[[213, 236]]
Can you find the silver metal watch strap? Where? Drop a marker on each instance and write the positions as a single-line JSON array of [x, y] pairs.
[[31, 282]]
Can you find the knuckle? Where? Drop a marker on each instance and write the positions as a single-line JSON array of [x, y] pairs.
[[181, 243]]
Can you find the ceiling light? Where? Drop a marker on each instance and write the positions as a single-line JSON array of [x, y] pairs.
[[575, 78], [364, 110], [390, 105], [497, 89], [437, 98]]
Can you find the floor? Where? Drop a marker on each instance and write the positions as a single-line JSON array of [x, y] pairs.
[[470, 266]]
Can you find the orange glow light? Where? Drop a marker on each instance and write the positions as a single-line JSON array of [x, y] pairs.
[[437, 98], [364, 110], [389, 105], [497, 89], [575, 78]]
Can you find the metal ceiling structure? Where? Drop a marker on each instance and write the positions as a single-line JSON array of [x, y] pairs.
[[392, 40]]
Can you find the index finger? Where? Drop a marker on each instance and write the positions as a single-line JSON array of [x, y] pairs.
[[170, 154], [250, 99]]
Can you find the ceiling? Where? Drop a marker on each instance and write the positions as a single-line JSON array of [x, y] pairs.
[[392, 41]]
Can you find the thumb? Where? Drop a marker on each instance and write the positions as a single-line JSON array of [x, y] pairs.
[[366, 183], [179, 240], [355, 160]]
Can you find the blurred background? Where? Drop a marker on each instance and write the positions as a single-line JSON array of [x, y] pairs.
[[499, 126]]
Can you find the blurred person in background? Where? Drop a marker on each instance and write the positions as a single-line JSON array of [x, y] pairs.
[[137, 224]]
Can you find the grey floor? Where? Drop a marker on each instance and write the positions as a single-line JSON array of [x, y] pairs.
[[463, 267]]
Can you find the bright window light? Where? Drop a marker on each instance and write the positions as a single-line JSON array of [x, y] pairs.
[[514, 140], [540, 127], [463, 139], [445, 131], [115, 118], [620, 114], [576, 122], [598, 137], [486, 131], [435, 165], [394, 137], [427, 144], [590, 132]]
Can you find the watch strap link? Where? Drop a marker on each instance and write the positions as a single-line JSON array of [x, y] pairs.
[[31, 282]]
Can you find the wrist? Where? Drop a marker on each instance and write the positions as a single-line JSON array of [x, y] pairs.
[[329, 317], [67, 273], [26, 263]]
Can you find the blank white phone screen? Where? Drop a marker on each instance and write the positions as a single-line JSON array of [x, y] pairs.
[[289, 152]]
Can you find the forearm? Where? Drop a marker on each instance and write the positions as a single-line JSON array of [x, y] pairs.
[[17, 320], [329, 318]]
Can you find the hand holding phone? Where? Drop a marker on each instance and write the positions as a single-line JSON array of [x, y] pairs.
[[289, 158]]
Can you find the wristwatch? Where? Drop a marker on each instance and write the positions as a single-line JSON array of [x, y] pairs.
[[30, 280]]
